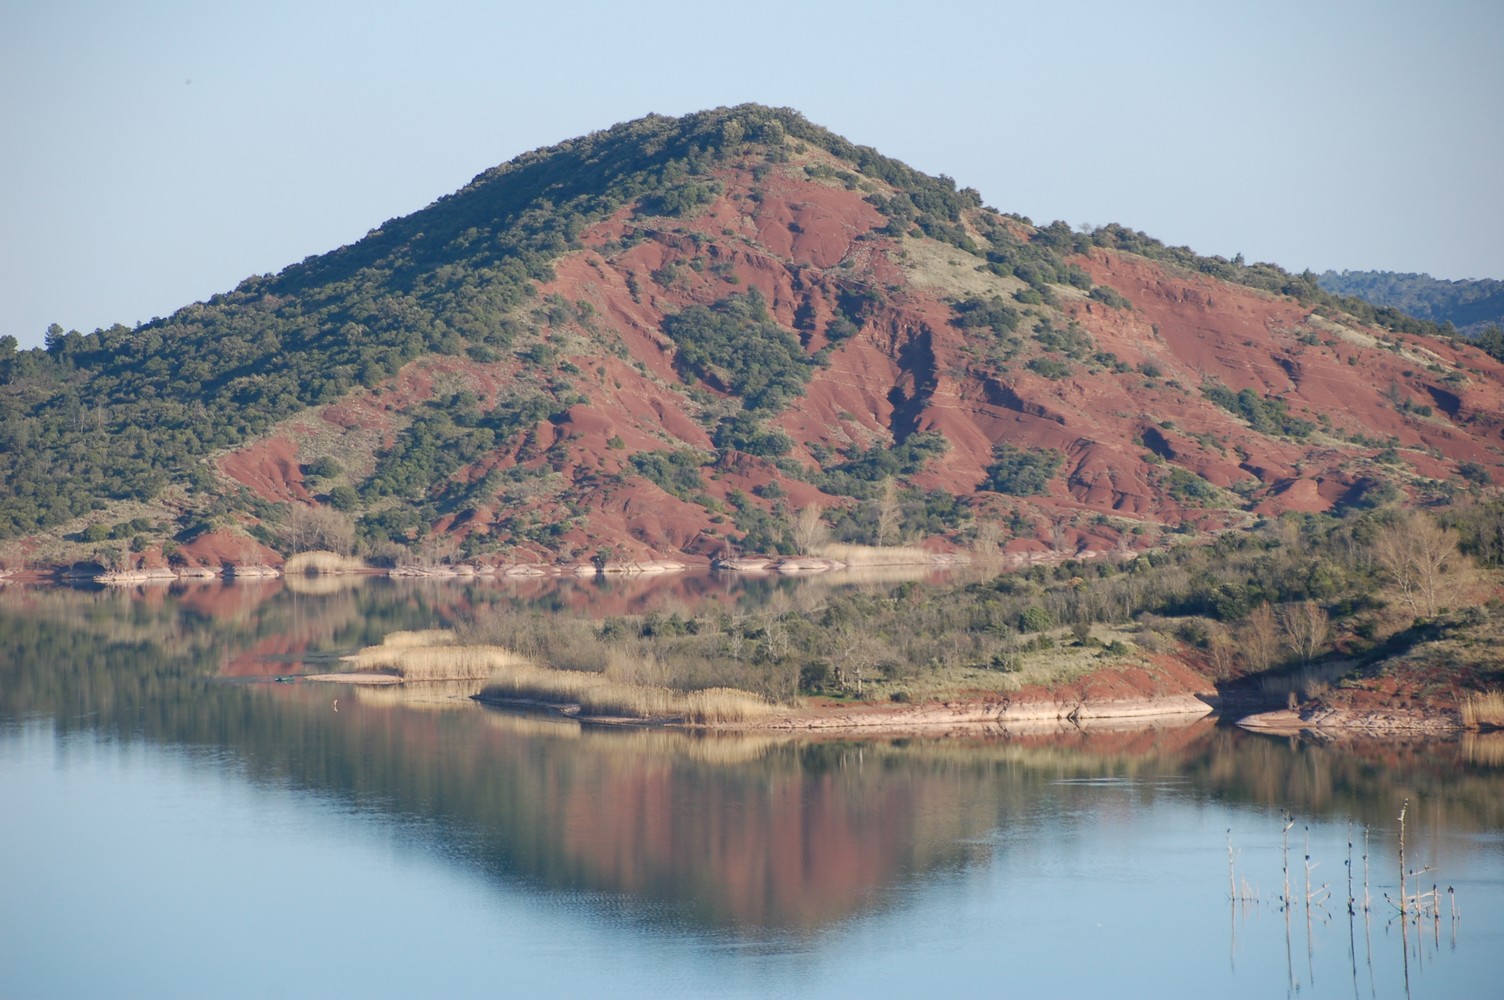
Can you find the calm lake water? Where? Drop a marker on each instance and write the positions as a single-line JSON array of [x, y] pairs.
[[175, 823]]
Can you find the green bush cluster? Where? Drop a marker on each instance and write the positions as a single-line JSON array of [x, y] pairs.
[[676, 472], [736, 347], [862, 471], [1267, 415], [1021, 472], [993, 314]]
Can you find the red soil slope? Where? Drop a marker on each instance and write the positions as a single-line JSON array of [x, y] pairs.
[[1123, 424]]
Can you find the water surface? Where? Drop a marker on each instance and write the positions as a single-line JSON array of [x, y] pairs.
[[177, 824]]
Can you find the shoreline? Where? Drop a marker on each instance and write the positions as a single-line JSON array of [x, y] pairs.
[[963, 716]]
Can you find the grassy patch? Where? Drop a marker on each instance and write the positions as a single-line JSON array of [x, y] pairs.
[[600, 695], [316, 563], [1483, 711]]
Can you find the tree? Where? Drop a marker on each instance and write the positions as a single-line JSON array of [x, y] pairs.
[[808, 528], [990, 536], [1421, 558], [1306, 627], [889, 512], [1223, 652], [318, 528], [1261, 637]]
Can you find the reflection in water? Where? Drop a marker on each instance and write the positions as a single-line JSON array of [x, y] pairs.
[[761, 837]]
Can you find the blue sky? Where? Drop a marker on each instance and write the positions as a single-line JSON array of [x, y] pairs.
[[156, 153]]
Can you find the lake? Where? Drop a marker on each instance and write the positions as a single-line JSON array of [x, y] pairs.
[[177, 823]]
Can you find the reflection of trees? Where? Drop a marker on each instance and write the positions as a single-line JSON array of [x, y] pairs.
[[1449, 784], [761, 832]]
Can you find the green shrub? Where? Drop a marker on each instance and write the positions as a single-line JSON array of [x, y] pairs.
[[675, 472], [1020, 472], [1267, 415], [1110, 297], [993, 314], [736, 347], [1035, 619], [1050, 368]]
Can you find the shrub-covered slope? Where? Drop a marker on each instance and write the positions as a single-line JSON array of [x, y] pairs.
[[1472, 306], [720, 333]]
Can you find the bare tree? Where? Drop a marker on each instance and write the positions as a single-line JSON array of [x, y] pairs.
[[318, 528], [1261, 637], [1306, 628], [889, 513], [854, 656], [809, 528], [1223, 652], [1421, 557], [990, 537]]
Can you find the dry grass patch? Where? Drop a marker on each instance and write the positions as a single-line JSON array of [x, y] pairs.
[[1483, 711], [600, 695], [940, 266], [417, 637], [431, 655], [856, 556], [317, 562]]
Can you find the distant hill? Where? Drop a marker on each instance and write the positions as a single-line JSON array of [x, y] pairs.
[[1470, 306], [719, 333]]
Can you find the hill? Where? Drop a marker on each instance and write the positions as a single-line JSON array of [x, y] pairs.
[[1469, 306], [722, 333]]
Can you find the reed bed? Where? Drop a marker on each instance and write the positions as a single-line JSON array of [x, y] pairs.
[[404, 655], [418, 637], [712, 706], [628, 701], [318, 562], [875, 555], [600, 695], [1483, 711], [524, 681], [454, 662]]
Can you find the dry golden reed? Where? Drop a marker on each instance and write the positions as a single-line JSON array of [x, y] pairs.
[[318, 562], [875, 555], [418, 637], [599, 695], [1485, 710], [430, 656]]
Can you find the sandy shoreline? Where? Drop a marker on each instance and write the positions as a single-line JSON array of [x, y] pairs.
[[824, 717], [1334, 723]]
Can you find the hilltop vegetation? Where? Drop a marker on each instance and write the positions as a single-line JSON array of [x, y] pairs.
[[1472, 307], [689, 336]]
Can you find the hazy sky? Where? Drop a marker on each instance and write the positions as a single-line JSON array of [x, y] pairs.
[[155, 153]]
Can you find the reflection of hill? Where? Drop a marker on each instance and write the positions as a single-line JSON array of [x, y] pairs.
[[759, 832], [720, 831]]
